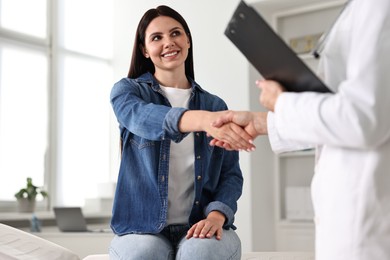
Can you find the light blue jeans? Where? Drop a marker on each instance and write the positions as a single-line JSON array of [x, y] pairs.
[[171, 244]]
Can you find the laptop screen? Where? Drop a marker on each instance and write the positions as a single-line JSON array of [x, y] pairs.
[[70, 219]]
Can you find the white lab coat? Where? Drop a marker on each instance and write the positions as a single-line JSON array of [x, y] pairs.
[[351, 130]]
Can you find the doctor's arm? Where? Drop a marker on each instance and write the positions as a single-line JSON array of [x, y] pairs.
[[356, 115]]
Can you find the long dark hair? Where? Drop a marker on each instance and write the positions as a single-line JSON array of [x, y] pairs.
[[139, 63]]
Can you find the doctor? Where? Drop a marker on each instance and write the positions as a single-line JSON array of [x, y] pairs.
[[350, 128]]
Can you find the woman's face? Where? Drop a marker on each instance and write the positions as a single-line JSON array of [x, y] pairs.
[[166, 44]]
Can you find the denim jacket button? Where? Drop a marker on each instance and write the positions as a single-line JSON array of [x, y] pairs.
[[197, 203], [198, 157], [199, 177]]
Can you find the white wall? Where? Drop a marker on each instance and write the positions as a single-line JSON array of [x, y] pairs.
[[219, 68]]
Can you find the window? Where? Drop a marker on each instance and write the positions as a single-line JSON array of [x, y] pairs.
[[24, 67], [23, 116], [29, 20], [55, 78]]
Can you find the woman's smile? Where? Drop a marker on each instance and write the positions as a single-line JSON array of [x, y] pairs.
[[170, 54]]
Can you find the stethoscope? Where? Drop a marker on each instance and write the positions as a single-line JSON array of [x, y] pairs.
[[323, 39]]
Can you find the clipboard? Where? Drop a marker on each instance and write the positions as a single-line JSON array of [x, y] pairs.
[[268, 53]]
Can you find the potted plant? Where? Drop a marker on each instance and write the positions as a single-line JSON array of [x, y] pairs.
[[26, 196]]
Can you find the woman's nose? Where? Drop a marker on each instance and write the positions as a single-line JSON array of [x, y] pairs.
[[169, 43]]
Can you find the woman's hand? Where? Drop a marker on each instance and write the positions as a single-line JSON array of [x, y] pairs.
[[233, 135], [270, 91], [208, 227], [254, 123]]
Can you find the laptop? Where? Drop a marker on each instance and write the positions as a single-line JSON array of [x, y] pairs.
[[71, 219], [268, 53]]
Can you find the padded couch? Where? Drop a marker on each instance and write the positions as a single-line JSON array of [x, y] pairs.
[[247, 256], [16, 244], [19, 245]]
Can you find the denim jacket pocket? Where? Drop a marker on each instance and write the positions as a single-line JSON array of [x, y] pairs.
[[140, 142]]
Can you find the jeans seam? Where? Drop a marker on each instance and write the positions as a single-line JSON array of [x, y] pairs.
[[112, 251], [234, 254]]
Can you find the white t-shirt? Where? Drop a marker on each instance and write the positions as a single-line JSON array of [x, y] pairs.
[[181, 166]]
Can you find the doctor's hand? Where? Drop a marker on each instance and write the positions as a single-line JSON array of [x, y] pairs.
[[208, 227], [254, 123], [233, 136], [270, 91]]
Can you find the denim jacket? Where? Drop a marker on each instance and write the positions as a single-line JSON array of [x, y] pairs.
[[148, 124]]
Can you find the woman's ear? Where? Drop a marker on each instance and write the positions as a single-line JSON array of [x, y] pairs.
[[188, 41], [144, 52]]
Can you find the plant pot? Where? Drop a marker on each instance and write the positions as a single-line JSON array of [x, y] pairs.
[[26, 205]]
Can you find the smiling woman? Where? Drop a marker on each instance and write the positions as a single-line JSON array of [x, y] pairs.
[[175, 194]]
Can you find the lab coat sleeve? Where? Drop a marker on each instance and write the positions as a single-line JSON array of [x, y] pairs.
[[278, 145], [357, 115]]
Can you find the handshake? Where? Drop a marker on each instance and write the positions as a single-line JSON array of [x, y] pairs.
[[236, 130]]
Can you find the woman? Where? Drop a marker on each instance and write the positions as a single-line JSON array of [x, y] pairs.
[[176, 196], [351, 130]]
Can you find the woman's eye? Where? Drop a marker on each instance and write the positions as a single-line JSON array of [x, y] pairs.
[[156, 38], [176, 33]]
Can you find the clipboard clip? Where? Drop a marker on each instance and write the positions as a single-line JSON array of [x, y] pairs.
[[233, 22]]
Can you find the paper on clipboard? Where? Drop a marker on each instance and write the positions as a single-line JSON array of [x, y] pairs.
[[268, 53]]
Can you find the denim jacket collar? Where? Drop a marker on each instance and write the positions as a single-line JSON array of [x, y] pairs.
[[152, 81]]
